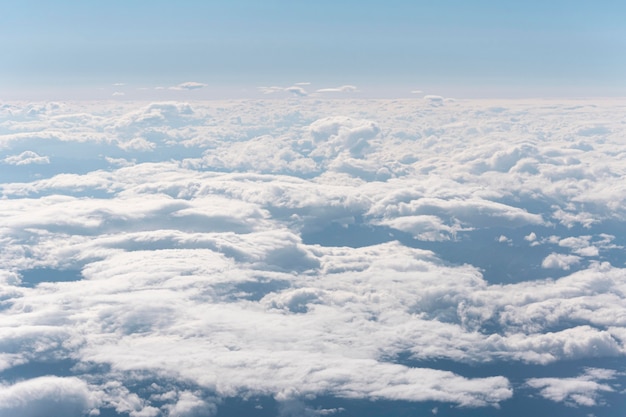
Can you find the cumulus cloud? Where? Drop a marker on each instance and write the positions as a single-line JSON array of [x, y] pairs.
[[310, 249], [190, 405], [560, 261], [47, 396]]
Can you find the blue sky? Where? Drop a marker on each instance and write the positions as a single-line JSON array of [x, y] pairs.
[[475, 48]]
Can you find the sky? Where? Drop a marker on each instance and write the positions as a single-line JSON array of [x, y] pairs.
[[474, 49]]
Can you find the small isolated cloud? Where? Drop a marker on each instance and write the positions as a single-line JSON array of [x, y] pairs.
[[530, 237], [118, 84], [190, 85], [417, 92], [118, 93], [137, 144], [122, 162], [341, 89], [26, 158], [583, 390], [271, 90]]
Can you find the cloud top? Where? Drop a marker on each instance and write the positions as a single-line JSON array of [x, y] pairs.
[[181, 254]]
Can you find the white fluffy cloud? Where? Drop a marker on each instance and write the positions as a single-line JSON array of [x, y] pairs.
[[561, 261], [584, 390], [307, 248], [47, 396]]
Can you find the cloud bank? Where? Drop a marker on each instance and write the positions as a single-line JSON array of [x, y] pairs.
[[166, 258]]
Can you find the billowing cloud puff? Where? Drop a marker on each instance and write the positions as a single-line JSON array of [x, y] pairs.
[[561, 261], [36, 397], [335, 135]]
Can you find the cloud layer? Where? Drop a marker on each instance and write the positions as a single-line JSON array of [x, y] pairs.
[[297, 249]]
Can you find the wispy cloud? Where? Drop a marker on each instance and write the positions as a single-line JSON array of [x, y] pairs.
[[190, 85], [26, 158], [341, 89], [295, 89]]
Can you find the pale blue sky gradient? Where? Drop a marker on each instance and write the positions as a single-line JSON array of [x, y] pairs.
[[476, 48]]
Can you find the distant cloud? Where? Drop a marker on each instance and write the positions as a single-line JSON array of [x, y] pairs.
[[341, 89], [191, 85], [118, 94], [295, 89], [435, 100], [26, 158], [299, 91]]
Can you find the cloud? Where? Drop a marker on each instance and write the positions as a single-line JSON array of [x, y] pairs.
[[118, 94], [47, 396], [190, 85], [341, 89], [434, 99], [190, 405], [584, 390], [296, 90], [336, 135], [26, 158], [302, 250], [560, 261]]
